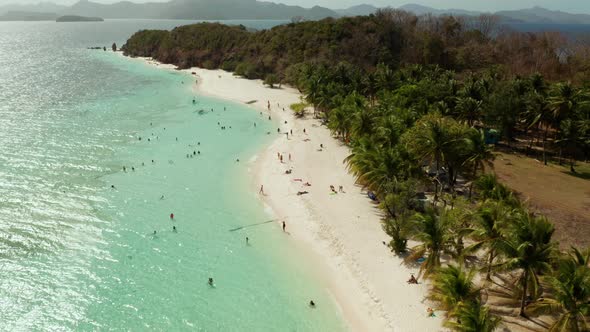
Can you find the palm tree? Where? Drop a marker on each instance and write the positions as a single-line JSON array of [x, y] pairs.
[[570, 294], [453, 285], [469, 109], [473, 316], [571, 138], [538, 83], [342, 118], [480, 154], [374, 167], [580, 258], [539, 115], [385, 78], [432, 140], [564, 100], [389, 130], [433, 231], [370, 86], [491, 218], [528, 248]]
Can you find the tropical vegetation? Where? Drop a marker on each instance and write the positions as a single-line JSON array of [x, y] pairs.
[[422, 102]]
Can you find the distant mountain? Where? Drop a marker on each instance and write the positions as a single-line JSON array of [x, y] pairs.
[[542, 15], [179, 9], [359, 10], [253, 9], [422, 10], [27, 16], [530, 15], [42, 7]]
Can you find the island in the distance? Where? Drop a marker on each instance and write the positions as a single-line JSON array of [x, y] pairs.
[[75, 18]]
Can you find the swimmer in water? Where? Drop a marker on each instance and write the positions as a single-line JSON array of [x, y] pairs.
[[171, 215], [113, 186], [210, 282], [133, 168], [162, 197], [312, 304], [174, 229]]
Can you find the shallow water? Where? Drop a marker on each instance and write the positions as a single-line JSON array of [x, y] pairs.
[[76, 254]]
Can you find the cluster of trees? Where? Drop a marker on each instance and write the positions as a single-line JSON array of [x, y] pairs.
[[553, 118], [418, 100], [394, 37]]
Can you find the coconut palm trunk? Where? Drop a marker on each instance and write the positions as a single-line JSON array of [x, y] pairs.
[[525, 277]]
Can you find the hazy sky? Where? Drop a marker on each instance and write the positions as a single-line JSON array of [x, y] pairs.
[[578, 6]]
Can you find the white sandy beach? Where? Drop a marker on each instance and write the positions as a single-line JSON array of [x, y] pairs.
[[341, 233]]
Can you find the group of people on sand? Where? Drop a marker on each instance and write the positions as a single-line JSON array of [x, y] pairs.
[[340, 189]]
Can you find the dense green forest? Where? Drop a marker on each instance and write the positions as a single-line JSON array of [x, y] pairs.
[[419, 100]]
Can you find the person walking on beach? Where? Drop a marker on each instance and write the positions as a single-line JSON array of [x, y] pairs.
[[261, 190], [289, 157], [284, 226]]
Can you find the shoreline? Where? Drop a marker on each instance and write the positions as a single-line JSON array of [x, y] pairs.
[[341, 233]]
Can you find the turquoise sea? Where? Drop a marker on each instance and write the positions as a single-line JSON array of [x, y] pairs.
[[78, 255]]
